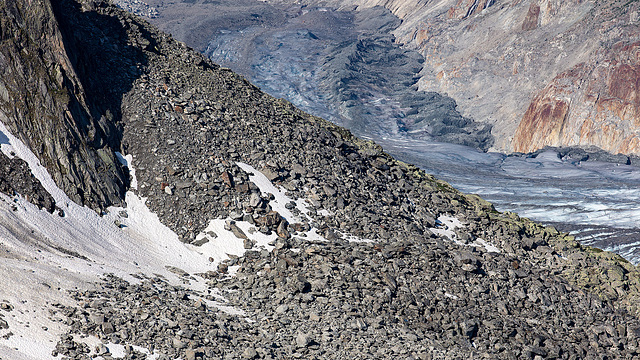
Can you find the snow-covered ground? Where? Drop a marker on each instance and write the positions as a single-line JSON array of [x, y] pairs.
[[43, 255]]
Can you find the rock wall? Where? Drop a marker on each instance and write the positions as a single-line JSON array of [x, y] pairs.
[[43, 96], [594, 103]]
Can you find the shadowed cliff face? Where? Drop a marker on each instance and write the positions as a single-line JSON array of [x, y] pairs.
[[66, 108]]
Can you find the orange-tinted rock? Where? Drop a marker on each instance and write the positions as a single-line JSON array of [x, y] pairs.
[[623, 83], [543, 122], [605, 106], [227, 179]]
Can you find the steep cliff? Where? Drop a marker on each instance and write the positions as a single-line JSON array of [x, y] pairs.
[[594, 103], [61, 101]]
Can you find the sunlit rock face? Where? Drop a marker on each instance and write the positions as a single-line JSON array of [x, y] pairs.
[[594, 103]]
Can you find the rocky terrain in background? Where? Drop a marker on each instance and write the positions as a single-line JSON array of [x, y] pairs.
[[413, 284], [538, 72], [344, 66], [346, 63], [544, 73]]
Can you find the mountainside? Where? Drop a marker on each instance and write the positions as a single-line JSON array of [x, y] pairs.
[[70, 89], [251, 228], [542, 72], [344, 66]]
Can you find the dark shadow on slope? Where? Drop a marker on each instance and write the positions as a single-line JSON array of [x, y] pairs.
[[105, 47], [3, 139], [106, 63]]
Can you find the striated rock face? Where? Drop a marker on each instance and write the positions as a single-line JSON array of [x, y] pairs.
[[466, 8], [43, 95], [594, 103], [540, 71]]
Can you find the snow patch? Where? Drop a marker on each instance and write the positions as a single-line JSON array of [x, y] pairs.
[[281, 199], [43, 255], [488, 246], [224, 243], [116, 350], [127, 161], [446, 226]]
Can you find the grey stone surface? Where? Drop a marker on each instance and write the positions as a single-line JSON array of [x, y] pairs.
[[406, 292]]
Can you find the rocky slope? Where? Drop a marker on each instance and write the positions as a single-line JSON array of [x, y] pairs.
[[405, 266], [541, 72], [344, 65]]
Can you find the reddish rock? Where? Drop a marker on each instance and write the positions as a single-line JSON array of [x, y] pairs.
[[227, 179], [243, 188], [542, 123], [594, 103], [531, 20]]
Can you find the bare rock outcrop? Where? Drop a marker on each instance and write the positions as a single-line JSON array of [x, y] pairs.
[[594, 103], [43, 95]]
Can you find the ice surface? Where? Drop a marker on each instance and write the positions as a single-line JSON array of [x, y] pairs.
[[568, 195]]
